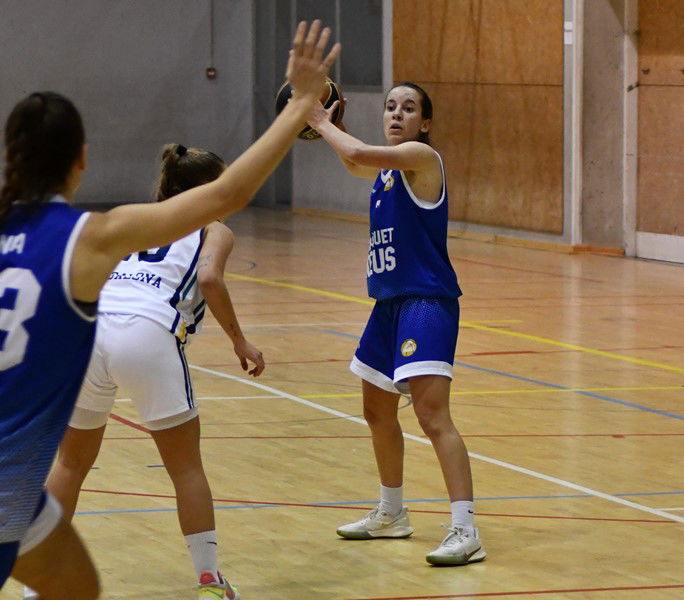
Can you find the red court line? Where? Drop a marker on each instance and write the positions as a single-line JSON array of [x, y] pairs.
[[359, 437], [129, 423], [470, 305], [534, 592], [366, 508], [557, 351]]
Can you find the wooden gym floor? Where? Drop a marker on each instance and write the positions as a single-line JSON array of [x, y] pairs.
[[569, 390]]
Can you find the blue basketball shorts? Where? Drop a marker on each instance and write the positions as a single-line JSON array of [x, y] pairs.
[[406, 337]]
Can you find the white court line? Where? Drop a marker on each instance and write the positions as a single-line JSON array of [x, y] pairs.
[[415, 438], [216, 398], [676, 508], [328, 324]]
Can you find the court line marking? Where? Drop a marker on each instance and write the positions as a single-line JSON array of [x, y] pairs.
[[545, 384], [532, 592], [645, 388], [360, 323], [242, 504], [473, 325], [421, 440]]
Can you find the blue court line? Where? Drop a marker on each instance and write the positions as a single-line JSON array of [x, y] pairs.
[[541, 383], [372, 502]]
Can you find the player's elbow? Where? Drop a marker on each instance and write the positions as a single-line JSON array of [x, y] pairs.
[[209, 280], [357, 154]]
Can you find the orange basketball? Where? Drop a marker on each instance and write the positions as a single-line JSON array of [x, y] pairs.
[[331, 93]]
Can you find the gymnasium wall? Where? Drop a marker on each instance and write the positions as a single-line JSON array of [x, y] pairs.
[[136, 70], [495, 71], [320, 182], [660, 202]]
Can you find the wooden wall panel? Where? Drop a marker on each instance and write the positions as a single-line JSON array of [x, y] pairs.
[[661, 42], [436, 43], [451, 135], [515, 175], [521, 41], [495, 71], [660, 206]]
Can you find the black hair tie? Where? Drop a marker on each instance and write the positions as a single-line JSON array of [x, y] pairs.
[[181, 150]]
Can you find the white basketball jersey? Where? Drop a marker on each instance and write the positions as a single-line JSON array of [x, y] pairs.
[[159, 284]]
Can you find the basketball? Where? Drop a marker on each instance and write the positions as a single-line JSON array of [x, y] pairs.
[[331, 92]]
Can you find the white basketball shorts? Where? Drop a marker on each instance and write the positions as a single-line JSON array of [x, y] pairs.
[[144, 359]]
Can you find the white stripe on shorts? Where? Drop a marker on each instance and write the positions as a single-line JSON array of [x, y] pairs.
[[423, 367], [371, 375]]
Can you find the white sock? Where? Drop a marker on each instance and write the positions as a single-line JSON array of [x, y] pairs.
[[391, 499], [463, 515], [203, 550]]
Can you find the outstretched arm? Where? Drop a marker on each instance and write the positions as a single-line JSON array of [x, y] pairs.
[[107, 237], [216, 249], [364, 159]]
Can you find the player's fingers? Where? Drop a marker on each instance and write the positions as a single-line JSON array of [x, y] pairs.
[[243, 362], [298, 41], [308, 49], [332, 57], [321, 44], [333, 107]]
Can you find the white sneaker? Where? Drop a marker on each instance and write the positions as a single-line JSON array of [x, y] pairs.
[[459, 547], [378, 524]]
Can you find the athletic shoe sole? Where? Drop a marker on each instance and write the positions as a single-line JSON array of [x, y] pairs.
[[477, 556], [390, 532]]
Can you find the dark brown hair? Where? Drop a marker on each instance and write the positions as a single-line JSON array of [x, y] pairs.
[[43, 139], [425, 106], [185, 168]]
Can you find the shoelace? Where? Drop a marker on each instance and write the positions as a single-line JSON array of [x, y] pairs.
[[457, 534]]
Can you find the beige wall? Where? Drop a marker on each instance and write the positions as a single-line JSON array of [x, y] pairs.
[[495, 71]]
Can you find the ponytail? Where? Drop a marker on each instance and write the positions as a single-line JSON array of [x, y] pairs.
[[185, 168]]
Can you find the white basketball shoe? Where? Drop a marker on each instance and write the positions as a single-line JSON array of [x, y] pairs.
[[378, 524], [459, 547]]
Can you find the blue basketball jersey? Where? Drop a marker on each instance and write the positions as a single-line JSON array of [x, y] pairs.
[[45, 345], [408, 252]]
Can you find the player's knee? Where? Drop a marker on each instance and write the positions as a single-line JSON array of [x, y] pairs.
[[74, 463], [431, 421], [376, 418]]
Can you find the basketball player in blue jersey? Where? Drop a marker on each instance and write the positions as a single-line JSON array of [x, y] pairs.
[[54, 260], [410, 339], [159, 297]]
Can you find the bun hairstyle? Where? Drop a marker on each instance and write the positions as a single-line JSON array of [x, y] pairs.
[[425, 105], [43, 139], [185, 168]]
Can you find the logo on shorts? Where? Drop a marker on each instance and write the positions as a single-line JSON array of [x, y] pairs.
[[408, 347]]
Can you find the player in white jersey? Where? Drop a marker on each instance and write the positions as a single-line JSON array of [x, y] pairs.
[[54, 260], [410, 339], [159, 296]]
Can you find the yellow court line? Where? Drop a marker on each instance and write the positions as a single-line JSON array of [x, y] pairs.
[[522, 391], [472, 325]]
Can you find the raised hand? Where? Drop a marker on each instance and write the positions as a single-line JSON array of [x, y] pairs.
[[306, 67], [319, 114]]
